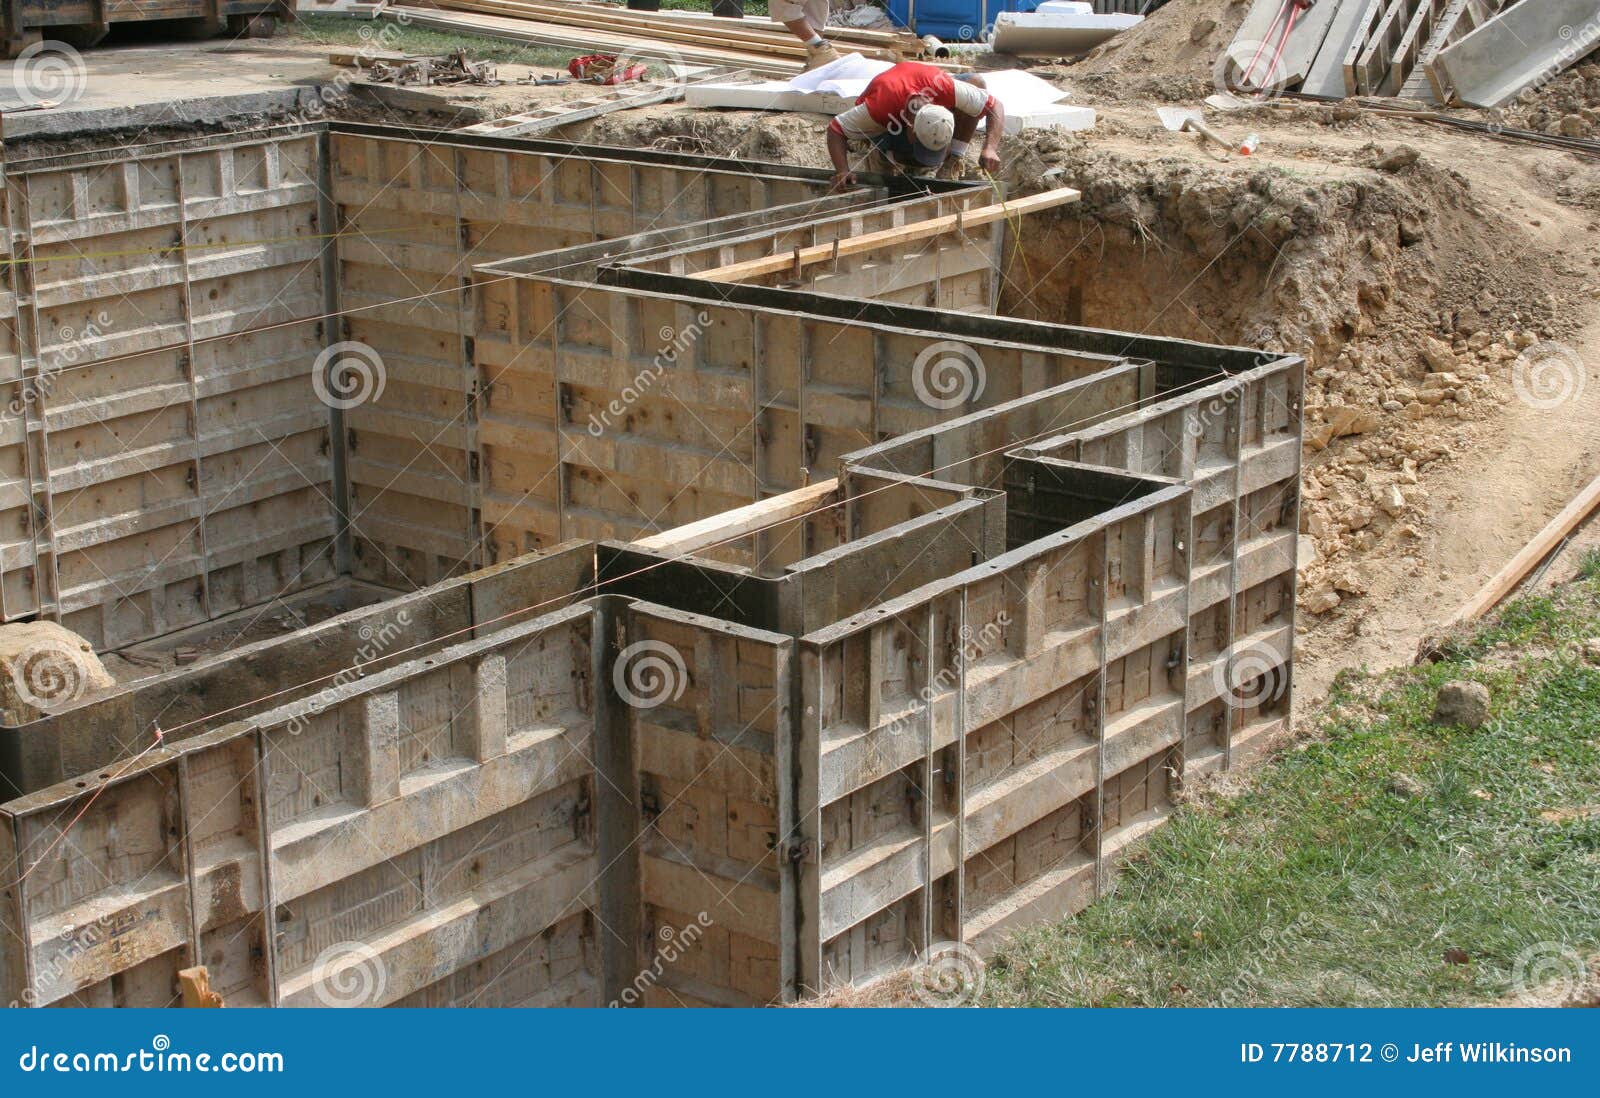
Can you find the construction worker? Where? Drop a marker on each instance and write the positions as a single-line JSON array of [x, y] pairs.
[[805, 20], [916, 116]]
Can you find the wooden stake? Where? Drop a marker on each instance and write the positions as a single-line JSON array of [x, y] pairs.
[[196, 985]]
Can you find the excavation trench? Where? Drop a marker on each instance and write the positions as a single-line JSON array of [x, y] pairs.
[[441, 431], [938, 660]]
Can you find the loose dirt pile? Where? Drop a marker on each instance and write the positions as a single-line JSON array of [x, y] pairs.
[[1421, 310], [1568, 106], [1172, 55]]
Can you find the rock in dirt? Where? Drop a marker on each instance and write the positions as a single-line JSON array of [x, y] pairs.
[[1202, 30], [1438, 355], [1404, 785], [1465, 704], [1319, 601], [1591, 650], [44, 667], [1398, 158], [1341, 421]]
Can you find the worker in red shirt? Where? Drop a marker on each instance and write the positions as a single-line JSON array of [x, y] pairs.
[[917, 115]]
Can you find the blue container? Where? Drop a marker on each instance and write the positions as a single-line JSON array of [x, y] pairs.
[[953, 20]]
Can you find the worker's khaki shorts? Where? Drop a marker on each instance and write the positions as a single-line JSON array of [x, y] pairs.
[[814, 12]]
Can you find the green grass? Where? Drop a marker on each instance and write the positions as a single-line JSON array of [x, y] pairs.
[[386, 35], [1589, 566], [751, 7], [1364, 857]]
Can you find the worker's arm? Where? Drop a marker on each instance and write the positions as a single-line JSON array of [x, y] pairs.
[[973, 102], [994, 129], [856, 122], [839, 153]]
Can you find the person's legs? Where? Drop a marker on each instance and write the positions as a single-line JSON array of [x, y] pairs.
[[896, 151], [805, 19]]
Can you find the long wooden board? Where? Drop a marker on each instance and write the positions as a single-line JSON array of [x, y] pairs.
[[1505, 581], [774, 40], [516, 29], [871, 242]]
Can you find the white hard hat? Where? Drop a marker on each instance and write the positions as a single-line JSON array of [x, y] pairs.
[[935, 128]]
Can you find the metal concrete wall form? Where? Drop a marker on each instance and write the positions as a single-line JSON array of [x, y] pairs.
[[933, 704], [166, 458], [437, 465], [156, 475]]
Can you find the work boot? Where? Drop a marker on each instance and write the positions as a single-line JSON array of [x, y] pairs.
[[817, 56]]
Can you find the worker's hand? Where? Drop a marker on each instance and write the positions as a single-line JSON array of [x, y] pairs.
[[842, 180], [989, 161]]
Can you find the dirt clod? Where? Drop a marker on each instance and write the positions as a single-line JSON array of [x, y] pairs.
[[1462, 704]]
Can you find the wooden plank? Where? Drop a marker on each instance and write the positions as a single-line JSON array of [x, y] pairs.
[[565, 114], [1503, 582], [888, 238], [1372, 67], [742, 521], [777, 45], [550, 34]]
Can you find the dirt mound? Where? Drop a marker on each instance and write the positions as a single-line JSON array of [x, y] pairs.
[[1568, 106], [775, 137], [1171, 55], [1412, 297]]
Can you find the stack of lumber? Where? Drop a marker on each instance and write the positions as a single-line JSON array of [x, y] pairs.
[[757, 45]]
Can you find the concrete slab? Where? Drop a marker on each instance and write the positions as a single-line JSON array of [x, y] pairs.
[[1054, 34], [137, 87], [1264, 25], [1325, 79], [1523, 45]]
